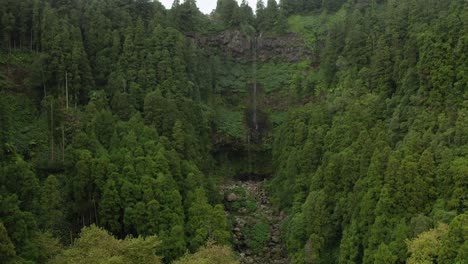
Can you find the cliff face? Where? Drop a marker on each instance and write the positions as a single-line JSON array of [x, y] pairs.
[[286, 48], [289, 47]]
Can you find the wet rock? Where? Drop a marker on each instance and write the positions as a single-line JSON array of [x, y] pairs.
[[241, 223], [232, 197], [275, 239], [242, 210]]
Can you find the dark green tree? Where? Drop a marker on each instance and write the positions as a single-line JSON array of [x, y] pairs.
[[7, 249], [110, 208]]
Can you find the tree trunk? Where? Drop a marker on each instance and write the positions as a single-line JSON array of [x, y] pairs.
[[66, 87], [63, 143], [31, 40], [9, 42], [52, 131], [43, 82], [95, 212]]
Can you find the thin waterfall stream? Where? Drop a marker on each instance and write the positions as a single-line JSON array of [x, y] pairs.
[[253, 129], [254, 107]]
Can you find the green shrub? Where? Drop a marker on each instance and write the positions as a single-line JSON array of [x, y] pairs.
[[257, 236], [231, 123]]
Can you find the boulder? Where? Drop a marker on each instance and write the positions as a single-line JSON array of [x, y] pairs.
[[232, 197]]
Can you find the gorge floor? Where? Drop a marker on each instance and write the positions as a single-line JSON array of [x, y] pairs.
[[255, 223]]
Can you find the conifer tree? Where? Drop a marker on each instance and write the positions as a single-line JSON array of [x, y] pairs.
[[52, 206], [198, 227], [7, 249], [110, 208]]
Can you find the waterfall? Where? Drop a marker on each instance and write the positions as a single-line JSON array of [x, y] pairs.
[[254, 107], [252, 135]]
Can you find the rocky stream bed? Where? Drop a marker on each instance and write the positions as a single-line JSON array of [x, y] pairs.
[[255, 223]]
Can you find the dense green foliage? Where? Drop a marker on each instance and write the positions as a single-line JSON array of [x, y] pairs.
[[210, 254], [379, 155], [116, 123], [104, 121], [257, 236], [444, 244], [95, 245]]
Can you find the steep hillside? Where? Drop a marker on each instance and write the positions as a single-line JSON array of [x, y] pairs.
[[378, 156]]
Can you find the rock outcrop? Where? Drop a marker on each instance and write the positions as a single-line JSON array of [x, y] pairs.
[[286, 48], [289, 47]]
